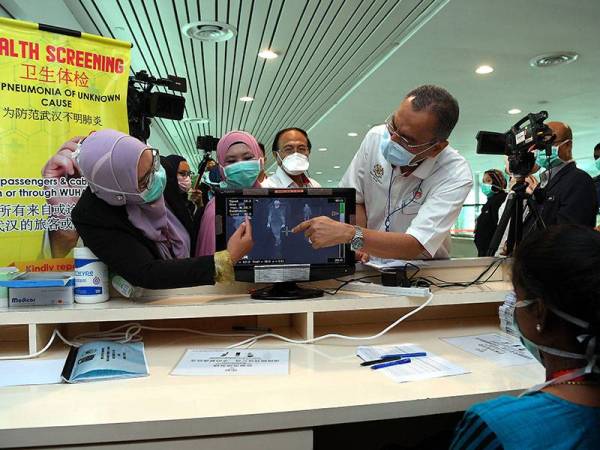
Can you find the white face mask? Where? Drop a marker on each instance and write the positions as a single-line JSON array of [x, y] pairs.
[[294, 164]]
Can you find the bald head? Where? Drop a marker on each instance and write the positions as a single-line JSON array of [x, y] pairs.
[[564, 139]]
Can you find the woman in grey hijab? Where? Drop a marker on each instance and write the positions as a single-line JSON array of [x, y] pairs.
[[123, 219]]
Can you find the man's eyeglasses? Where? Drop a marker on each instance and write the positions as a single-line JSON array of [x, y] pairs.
[[147, 179], [389, 123], [289, 149]]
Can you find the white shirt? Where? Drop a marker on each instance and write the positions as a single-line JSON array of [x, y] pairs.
[[280, 179], [424, 204]]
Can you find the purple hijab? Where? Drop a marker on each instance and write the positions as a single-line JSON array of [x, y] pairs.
[[108, 160]]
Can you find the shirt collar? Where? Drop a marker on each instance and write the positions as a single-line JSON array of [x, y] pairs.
[[426, 167]]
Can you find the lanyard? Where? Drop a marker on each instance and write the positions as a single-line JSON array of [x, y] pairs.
[[402, 206]]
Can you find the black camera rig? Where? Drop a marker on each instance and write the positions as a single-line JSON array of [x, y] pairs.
[[143, 104], [528, 133]]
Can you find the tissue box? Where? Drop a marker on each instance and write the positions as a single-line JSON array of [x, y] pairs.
[[37, 289]]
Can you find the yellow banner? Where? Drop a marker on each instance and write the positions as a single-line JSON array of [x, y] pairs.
[[53, 87]]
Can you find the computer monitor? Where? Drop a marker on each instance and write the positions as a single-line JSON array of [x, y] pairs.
[[280, 256]]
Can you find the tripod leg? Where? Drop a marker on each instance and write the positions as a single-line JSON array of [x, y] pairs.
[[502, 224], [538, 221]]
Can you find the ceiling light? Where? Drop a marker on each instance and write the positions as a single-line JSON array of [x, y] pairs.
[[319, 173], [330, 181], [336, 167], [209, 31], [196, 120], [514, 111], [267, 54], [322, 149], [553, 59], [246, 99], [482, 70], [352, 134]]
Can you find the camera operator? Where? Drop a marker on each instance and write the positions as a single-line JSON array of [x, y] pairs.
[[494, 188], [566, 194]]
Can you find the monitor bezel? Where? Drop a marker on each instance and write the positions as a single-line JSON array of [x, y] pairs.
[[318, 272]]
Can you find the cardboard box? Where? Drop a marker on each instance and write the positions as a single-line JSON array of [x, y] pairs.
[[41, 288]]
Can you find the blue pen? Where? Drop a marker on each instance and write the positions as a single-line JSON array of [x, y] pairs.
[[404, 355], [391, 363]]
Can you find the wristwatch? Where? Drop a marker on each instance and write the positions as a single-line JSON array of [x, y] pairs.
[[357, 242]]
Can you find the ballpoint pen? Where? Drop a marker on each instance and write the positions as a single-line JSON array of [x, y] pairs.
[[390, 363], [380, 360], [404, 355]]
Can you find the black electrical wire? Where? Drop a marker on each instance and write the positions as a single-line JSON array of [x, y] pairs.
[[437, 282]]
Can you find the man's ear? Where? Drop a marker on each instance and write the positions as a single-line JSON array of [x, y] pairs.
[[276, 158]]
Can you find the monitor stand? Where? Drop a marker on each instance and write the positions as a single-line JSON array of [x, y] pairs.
[[287, 290]]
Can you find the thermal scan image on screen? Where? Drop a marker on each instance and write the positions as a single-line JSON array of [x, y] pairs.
[[272, 222]]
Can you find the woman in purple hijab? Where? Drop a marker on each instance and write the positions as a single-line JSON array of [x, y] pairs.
[[123, 219]]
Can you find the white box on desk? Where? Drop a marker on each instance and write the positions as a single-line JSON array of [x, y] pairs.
[[40, 296], [40, 289]]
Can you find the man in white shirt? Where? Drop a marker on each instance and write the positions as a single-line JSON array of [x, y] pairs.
[[410, 184], [291, 149]]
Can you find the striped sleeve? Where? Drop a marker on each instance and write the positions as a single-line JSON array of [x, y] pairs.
[[473, 433]]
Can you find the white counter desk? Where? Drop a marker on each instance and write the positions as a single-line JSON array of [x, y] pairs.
[[325, 384]]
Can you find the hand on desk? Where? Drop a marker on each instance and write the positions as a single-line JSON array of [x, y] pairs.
[[325, 232]]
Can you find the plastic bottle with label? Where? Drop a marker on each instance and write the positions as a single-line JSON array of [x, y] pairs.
[[91, 277]]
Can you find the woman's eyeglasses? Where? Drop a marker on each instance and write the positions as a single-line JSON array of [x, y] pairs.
[[147, 179]]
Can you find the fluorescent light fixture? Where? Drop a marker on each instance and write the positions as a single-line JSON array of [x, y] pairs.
[[322, 149], [336, 167], [330, 181], [319, 173], [352, 134], [267, 54], [482, 70], [198, 120], [246, 98], [514, 111]]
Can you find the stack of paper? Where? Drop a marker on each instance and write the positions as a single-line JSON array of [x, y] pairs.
[[226, 361], [420, 368], [501, 349]]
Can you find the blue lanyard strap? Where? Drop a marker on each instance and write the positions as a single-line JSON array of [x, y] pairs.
[[402, 206]]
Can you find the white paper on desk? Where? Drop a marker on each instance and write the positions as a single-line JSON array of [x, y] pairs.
[[500, 348], [224, 361], [21, 372], [420, 368], [381, 263]]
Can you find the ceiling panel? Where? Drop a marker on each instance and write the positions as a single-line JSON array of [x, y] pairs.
[[325, 47]]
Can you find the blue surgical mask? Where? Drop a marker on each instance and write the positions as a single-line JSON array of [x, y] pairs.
[[597, 163], [548, 162], [487, 190], [156, 187], [241, 174], [536, 349], [397, 155]]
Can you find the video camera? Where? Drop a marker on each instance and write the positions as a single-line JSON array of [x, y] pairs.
[[517, 142], [143, 104]]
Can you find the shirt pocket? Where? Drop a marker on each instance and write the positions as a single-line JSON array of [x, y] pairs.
[[412, 208]]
